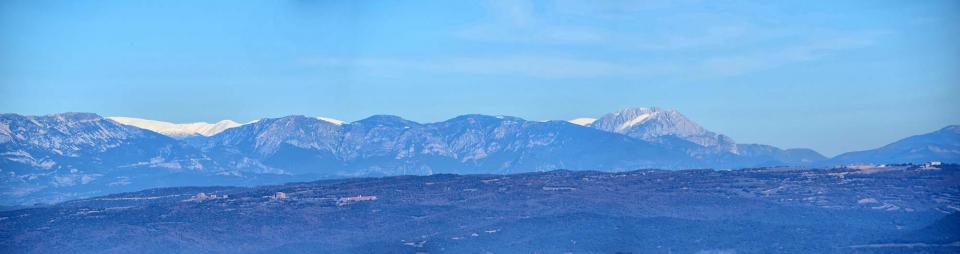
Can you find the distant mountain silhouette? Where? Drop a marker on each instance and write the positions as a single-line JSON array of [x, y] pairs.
[[942, 145], [70, 155]]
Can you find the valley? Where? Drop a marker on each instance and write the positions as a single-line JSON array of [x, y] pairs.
[[893, 209]]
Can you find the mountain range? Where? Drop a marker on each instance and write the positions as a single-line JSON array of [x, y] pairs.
[[71, 155]]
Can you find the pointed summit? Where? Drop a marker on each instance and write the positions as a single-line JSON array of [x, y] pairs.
[[654, 123]]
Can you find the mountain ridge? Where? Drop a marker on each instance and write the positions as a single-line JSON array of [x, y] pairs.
[[69, 155], [941, 145], [175, 130]]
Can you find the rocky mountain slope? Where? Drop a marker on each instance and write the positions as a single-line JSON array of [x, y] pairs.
[[389, 145], [671, 128], [71, 155]]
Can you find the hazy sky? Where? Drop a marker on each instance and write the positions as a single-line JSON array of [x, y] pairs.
[[832, 75]]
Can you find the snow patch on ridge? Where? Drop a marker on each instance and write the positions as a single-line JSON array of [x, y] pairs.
[[177, 130], [636, 120], [583, 121], [330, 120]]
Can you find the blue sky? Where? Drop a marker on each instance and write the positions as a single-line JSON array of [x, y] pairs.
[[829, 75]]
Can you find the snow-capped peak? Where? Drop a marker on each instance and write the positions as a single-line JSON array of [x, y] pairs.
[[177, 130], [583, 121], [648, 123], [651, 123], [625, 119], [330, 120]]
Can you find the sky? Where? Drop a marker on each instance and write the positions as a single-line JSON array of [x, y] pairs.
[[834, 76]]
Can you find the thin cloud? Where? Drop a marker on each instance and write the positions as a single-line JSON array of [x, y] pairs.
[[527, 66], [552, 67], [769, 59], [519, 22], [515, 21], [732, 44]]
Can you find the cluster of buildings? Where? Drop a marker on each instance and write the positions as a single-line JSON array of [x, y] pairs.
[[280, 196], [348, 200], [200, 197], [925, 165], [931, 165]]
